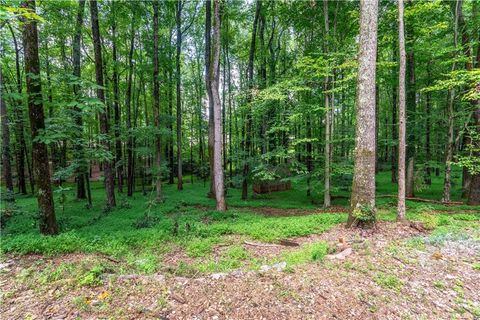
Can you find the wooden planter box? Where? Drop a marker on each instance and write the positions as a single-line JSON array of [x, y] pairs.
[[272, 186]]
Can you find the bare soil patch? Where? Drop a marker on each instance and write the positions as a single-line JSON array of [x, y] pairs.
[[388, 276]]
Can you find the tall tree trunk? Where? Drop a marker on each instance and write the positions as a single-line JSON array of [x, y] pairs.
[[411, 109], [248, 116], [156, 104], [170, 114], [116, 107], [450, 111], [428, 151], [363, 189], [214, 76], [402, 119], [179, 8], [6, 165], [328, 113], [128, 102], [77, 143], [394, 125], [48, 223], [20, 144], [208, 48], [474, 193], [104, 129]]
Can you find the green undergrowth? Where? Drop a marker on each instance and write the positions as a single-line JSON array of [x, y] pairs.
[[140, 232]]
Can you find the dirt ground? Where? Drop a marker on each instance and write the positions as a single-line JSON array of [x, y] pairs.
[[393, 272]]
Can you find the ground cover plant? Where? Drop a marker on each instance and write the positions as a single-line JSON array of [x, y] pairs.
[[233, 159]]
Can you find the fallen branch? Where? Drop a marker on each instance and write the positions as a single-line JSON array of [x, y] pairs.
[[257, 244], [423, 200]]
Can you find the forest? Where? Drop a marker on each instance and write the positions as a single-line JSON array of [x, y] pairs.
[[240, 159]]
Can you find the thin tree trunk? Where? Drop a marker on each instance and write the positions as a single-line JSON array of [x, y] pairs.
[[363, 189], [248, 117], [116, 107], [48, 223], [104, 129], [77, 143], [449, 154], [328, 120], [179, 8], [156, 104], [411, 110], [428, 151], [208, 47], [128, 100], [214, 76], [394, 127], [6, 165], [20, 145], [450, 111], [402, 118]]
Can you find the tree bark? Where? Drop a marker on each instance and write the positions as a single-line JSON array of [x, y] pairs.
[[156, 104], [411, 109], [328, 120], [214, 76], [179, 8], [116, 107], [402, 118], [104, 129], [20, 144], [394, 129], [6, 164], [128, 102], [248, 116], [363, 189], [208, 48], [48, 223], [77, 144]]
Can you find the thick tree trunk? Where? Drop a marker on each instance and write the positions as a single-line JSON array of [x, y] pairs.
[[402, 118], [48, 223], [104, 129], [363, 189], [6, 164], [217, 109], [156, 104], [474, 194], [77, 143]]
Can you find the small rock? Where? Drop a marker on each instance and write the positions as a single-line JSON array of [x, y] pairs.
[[218, 276], [340, 256], [96, 302], [265, 268], [280, 266]]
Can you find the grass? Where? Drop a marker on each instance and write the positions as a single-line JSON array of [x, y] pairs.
[[141, 232]]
